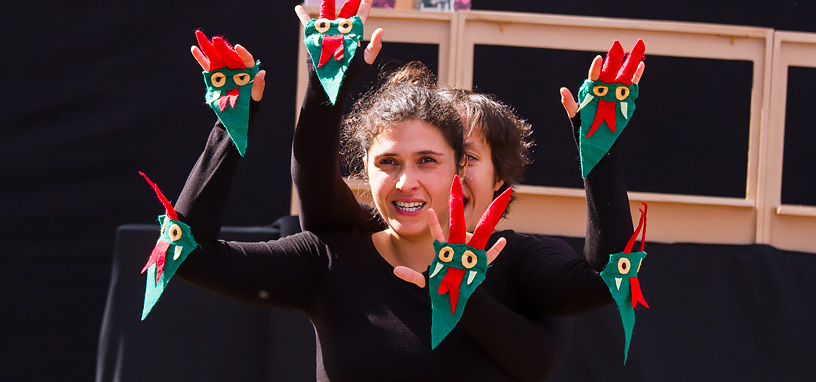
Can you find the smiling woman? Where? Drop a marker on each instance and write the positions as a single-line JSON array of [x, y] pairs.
[[406, 141]]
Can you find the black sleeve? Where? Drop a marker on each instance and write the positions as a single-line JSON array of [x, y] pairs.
[[326, 202], [559, 284], [526, 348], [279, 273], [609, 222], [550, 278]]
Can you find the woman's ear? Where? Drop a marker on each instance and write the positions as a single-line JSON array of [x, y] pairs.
[[498, 185]]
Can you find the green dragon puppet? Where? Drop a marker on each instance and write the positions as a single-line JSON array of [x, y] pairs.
[[229, 87], [608, 101], [332, 42], [174, 245], [620, 276], [458, 268]]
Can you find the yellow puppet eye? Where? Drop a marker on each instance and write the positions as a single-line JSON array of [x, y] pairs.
[[344, 26], [621, 93], [322, 25], [218, 79], [469, 259], [241, 79], [446, 254], [600, 91], [175, 232], [624, 265]]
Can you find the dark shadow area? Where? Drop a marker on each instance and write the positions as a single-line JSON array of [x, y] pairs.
[[799, 161]]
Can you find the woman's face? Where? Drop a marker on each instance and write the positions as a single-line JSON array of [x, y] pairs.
[[410, 168], [479, 181]]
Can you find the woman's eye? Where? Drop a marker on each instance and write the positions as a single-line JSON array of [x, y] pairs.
[[471, 157], [427, 160], [387, 162]]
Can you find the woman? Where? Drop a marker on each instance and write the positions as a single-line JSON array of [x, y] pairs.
[[497, 149], [369, 324]]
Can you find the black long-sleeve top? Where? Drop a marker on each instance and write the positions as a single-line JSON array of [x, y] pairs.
[[326, 202], [371, 325]]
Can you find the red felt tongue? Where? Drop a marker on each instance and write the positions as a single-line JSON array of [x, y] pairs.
[[332, 46], [231, 97], [606, 112], [157, 256], [450, 283], [637, 295]]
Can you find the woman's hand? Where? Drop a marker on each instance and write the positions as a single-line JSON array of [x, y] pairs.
[[438, 234], [373, 48], [259, 81], [594, 73]]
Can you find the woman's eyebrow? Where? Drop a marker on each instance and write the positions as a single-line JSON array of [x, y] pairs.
[[431, 152]]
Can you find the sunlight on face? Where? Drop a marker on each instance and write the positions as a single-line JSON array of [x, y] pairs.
[[410, 168]]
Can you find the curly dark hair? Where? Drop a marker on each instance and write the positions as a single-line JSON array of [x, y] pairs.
[[406, 94], [507, 134]]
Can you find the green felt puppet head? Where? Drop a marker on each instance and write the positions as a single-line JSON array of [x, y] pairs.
[[332, 43], [175, 243], [229, 87], [607, 104], [620, 276], [458, 268]]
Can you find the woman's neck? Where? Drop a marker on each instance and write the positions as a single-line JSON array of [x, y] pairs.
[[415, 253]]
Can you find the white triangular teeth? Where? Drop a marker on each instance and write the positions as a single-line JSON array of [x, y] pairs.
[[216, 95], [471, 276], [618, 281], [624, 108], [586, 101], [437, 269], [177, 252]]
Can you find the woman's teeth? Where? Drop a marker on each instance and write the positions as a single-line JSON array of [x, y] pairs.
[[409, 207]]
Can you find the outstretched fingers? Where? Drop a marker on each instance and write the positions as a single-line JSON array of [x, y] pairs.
[[595, 68], [410, 275], [302, 14], [496, 249], [258, 85], [436, 229], [569, 103], [200, 57], [365, 8], [246, 57], [374, 47]]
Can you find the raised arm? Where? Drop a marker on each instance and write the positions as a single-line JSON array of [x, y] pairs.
[[279, 273], [607, 104], [326, 202]]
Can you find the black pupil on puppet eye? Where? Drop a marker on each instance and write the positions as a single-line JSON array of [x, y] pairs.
[[623, 265]]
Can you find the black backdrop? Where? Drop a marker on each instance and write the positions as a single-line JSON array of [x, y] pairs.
[[96, 92]]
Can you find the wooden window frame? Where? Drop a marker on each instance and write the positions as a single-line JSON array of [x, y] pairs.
[[759, 217]]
